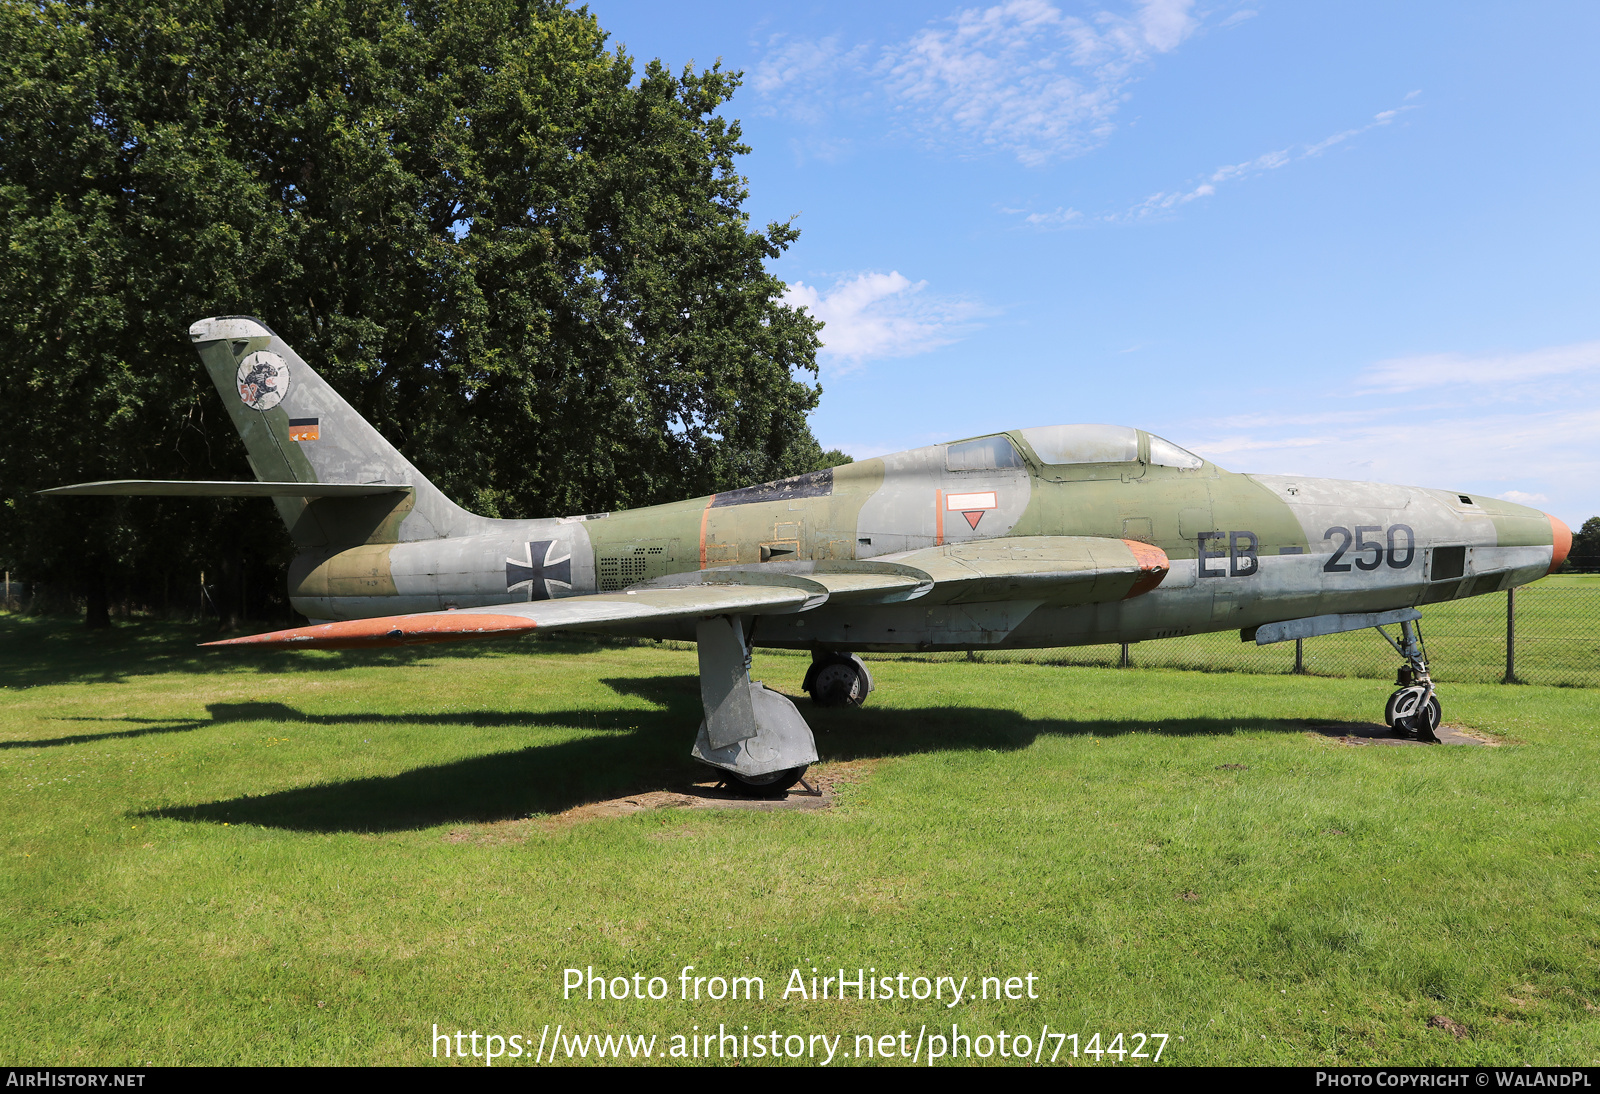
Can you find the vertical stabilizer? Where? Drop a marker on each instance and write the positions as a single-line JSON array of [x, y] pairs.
[[298, 429]]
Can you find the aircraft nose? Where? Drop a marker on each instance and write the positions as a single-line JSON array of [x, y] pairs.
[[1560, 542]]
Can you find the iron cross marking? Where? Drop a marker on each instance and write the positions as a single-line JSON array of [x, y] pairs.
[[543, 577]]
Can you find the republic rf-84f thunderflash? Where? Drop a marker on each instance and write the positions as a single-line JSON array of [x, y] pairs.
[[1052, 536]]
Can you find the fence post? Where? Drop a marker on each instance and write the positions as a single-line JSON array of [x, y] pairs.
[[1300, 656], [1511, 636], [1124, 663]]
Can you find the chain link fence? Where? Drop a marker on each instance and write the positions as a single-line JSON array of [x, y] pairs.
[[1553, 638]]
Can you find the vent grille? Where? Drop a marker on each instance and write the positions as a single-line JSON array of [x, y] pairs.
[[619, 571]]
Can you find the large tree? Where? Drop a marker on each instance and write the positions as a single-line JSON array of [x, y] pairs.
[[1585, 554], [525, 261]]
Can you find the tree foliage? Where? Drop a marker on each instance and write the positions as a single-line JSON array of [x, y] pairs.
[[524, 261], [1585, 554]]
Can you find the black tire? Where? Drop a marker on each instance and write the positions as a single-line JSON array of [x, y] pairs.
[[771, 785], [1388, 709], [837, 682]]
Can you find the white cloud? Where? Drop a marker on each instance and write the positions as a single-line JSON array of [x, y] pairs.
[[1460, 422], [1059, 218], [789, 62], [1267, 161], [1020, 77], [1165, 201], [1490, 376], [873, 316]]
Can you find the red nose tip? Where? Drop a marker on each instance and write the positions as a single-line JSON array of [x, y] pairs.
[[1560, 543]]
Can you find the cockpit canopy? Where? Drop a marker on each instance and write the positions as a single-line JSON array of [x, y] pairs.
[[1062, 445], [1058, 444]]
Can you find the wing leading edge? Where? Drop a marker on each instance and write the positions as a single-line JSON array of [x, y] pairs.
[[184, 488], [1082, 569]]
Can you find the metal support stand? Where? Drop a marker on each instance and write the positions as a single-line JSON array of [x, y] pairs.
[[1299, 656], [749, 731], [1511, 636], [1125, 662]]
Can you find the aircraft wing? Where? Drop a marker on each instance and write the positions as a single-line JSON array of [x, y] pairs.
[[1058, 569], [503, 620], [180, 488], [1075, 569]]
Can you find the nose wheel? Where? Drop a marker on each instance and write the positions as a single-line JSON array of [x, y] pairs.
[[1413, 710]]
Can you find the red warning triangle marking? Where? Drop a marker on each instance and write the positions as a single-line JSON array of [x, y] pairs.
[[973, 517]]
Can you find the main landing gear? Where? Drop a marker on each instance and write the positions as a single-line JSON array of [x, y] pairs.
[[837, 679], [755, 737], [1413, 710]]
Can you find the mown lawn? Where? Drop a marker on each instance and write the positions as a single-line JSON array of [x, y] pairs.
[[314, 858], [1557, 643]]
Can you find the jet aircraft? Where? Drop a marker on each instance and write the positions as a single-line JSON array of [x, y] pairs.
[[1041, 537]]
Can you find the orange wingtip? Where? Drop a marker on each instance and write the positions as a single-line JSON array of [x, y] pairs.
[[1153, 567], [387, 631]]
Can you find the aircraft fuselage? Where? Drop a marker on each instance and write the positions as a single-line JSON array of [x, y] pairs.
[[1244, 549]]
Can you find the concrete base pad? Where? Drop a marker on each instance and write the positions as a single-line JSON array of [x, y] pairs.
[[704, 794], [1376, 733]]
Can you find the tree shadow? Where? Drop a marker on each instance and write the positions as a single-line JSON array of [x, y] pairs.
[[631, 751], [220, 712], [37, 651]]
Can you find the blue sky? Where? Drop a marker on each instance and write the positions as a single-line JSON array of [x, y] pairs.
[[1342, 239]]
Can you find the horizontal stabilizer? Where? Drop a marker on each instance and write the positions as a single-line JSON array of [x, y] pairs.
[[179, 488], [506, 620]]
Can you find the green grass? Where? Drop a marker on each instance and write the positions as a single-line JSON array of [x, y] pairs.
[[1558, 643], [314, 858]]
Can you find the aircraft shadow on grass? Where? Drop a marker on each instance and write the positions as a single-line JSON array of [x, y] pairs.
[[630, 752]]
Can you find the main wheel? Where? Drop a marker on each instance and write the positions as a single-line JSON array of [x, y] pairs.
[[839, 681], [769, 785]]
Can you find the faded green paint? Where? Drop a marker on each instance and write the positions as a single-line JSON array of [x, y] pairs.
[[834, 522], [358, 572], [1165, 506], [1240, 503], [801, 528], [674, 527], [1515, 525]]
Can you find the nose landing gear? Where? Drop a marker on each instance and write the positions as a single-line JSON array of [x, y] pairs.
[[1413, 710]]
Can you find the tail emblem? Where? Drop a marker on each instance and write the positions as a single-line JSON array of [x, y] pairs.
[[263, 380], [544, 577]]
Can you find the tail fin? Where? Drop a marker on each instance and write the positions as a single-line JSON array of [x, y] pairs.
[[298, 429]]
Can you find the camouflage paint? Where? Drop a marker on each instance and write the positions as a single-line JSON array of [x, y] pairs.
[[1244, 550]]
